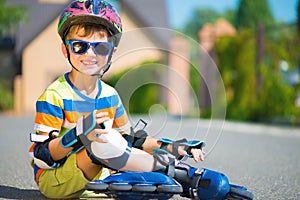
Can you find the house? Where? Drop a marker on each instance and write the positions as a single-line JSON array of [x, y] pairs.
[[39, 52]]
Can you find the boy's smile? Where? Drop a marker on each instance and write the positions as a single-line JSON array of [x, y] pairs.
[[89, 63]]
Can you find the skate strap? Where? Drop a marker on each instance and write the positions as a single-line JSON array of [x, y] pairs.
[[164, 162], [188, 146]]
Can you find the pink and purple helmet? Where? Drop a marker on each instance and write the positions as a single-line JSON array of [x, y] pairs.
[[94, 12]]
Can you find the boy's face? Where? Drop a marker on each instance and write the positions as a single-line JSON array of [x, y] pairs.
[[88, 63]]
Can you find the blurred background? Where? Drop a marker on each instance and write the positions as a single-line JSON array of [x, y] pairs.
[[254, 44]]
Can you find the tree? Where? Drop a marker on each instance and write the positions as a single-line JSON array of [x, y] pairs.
[[251, 13], [198, 19], [236, 62], [10, 16]]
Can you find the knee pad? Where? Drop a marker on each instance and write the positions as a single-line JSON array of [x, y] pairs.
[[112, 154]]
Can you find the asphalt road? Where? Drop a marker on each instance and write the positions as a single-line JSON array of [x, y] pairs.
[[265, 159]]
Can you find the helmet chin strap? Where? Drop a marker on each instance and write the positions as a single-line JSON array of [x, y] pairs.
[[102, 71]]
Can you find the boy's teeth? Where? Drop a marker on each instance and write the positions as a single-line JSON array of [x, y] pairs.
[[89, 62]]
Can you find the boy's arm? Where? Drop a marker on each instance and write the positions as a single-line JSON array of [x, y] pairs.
[[142, 140], [195, 151], [150, 144]]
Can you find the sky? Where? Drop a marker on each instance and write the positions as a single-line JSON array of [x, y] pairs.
[[179, 11]]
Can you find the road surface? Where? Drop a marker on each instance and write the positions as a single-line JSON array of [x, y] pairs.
[[264, 158]]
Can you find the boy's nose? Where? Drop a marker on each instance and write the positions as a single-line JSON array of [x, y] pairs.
[[91, 50]]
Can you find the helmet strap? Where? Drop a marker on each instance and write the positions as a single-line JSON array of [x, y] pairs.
[[69, 59], [108, 64]]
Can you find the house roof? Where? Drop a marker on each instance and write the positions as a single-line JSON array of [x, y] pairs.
[[151, 14], [40, 15]]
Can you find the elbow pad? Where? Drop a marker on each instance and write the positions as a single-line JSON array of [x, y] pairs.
[[137, 139], [137, 135], [42, 157]]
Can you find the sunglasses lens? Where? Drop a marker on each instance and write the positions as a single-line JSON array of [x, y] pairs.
[[102, 49], [80, 47]]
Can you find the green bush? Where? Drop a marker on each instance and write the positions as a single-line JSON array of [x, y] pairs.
[[139, 85], [246, 98], [6, 96]]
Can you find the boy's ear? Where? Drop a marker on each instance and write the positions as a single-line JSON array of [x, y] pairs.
[[64, 50]]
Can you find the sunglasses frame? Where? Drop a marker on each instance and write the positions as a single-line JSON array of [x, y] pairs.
[[89, 44]]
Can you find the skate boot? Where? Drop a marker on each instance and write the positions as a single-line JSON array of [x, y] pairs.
[[197, 183]]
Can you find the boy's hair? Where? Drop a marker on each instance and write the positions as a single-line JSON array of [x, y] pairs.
[[88, 31]]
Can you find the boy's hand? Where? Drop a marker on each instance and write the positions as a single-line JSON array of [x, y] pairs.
[[182, 148], [197, 154], [94, 135]]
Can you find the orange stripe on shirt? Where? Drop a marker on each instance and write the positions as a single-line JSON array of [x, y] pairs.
[[48, 120]]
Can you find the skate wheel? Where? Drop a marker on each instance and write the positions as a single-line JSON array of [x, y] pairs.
[[95, 185], [119, 187], [143, 188], [169, 188]]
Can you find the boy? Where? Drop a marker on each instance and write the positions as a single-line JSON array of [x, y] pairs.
[[63, 165]]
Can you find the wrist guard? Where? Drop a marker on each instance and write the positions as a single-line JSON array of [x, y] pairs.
[[83, 126], [188, 146], [71, 139]]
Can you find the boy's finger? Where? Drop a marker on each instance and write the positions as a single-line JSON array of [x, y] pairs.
[[101, 131], [102, 120], [101, 114]]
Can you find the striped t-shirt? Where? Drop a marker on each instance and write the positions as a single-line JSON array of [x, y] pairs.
[[62, 104]]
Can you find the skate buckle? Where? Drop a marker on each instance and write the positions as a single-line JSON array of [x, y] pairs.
[[194, 194], [199, 171]]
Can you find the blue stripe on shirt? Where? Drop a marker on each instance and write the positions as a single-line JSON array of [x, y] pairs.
[[89, 106], [120, 111], [48, 108]]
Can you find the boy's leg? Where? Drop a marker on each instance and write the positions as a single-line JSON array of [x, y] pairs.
[[89, 169], [121, 156], [139, 161], [67, 181]]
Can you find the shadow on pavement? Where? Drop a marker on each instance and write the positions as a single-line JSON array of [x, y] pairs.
[[8, 192]]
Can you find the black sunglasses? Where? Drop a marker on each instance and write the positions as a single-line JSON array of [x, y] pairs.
[[81, 47]]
